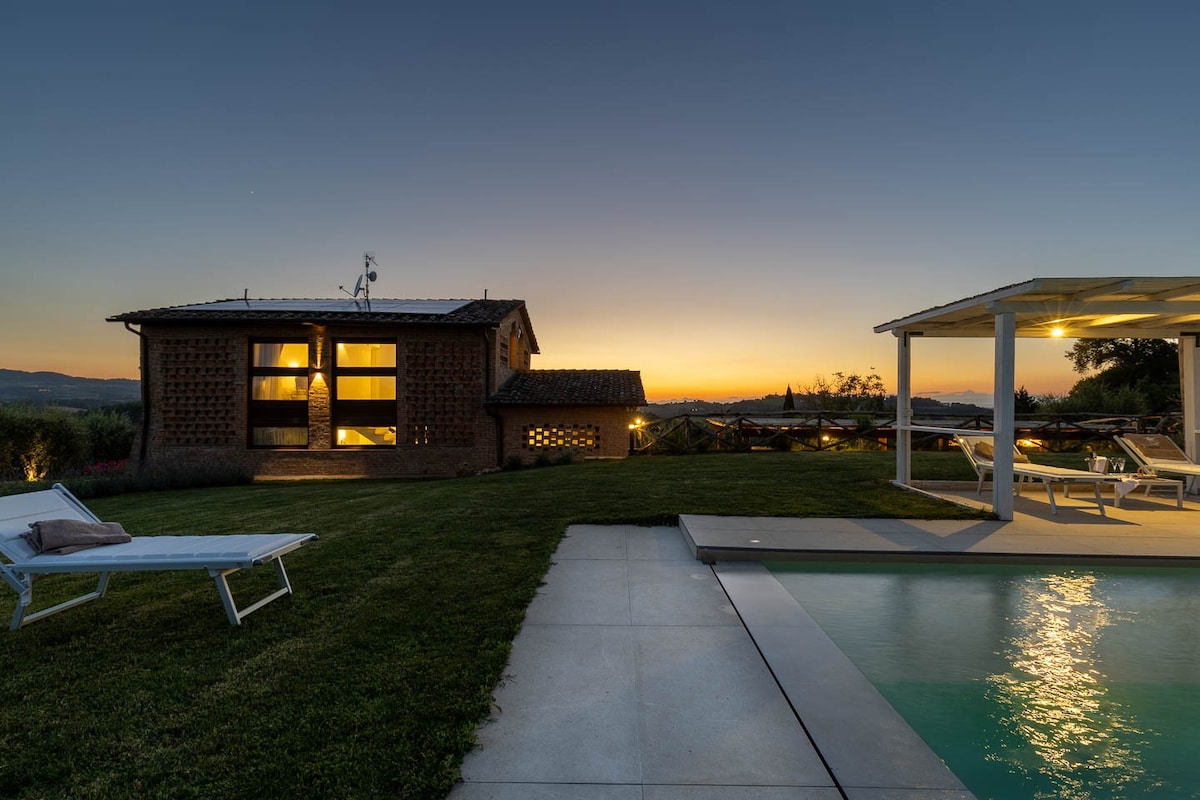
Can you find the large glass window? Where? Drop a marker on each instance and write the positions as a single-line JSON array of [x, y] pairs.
[[364, 402], [278, 409]]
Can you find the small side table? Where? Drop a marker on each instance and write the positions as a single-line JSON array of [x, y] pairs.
[[1150, 483]]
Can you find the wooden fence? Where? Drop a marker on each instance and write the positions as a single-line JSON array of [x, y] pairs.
[[820, 430]]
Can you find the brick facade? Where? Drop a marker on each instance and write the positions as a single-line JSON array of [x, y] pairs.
[[586, 432], [198, 400], [197, 375]]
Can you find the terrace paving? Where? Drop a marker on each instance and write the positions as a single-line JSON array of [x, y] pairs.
[[642, 673]]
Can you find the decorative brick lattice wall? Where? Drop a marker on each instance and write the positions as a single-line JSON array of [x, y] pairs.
[[200, 387], [443, 390], [582, 437], [532, 431]]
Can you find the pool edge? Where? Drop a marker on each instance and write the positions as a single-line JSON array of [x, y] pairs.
[[863, 740]]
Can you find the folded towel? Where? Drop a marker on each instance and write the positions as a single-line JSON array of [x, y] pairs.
[[62, 536]]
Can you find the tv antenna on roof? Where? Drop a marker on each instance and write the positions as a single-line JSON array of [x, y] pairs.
[[363, 284]]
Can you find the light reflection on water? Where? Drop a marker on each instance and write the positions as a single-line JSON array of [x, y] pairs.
[[1079, 684], [1055, 700]]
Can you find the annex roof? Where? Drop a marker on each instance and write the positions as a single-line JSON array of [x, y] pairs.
[[1075, 308], [572, 387], [378, 311]]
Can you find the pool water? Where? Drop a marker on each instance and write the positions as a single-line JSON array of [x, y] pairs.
[[1063, 683]]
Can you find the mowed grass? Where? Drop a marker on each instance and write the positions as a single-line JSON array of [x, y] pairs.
[[370, 680]]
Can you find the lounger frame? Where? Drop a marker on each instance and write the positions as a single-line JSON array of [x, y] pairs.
[[1180, 465], [220, 556], [1048, 475]]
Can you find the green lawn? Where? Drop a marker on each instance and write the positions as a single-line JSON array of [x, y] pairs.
[[369, 681]]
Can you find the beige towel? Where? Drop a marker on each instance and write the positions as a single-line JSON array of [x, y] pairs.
[[62, 536]]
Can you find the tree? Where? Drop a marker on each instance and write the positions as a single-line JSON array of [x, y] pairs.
[[1023, 402], [851, 392], [1131, 373], [789, 401]]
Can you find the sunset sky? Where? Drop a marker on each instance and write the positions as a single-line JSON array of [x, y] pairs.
[[727, 196]]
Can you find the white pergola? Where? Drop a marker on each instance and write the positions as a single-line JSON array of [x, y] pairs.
[[1073, 308]]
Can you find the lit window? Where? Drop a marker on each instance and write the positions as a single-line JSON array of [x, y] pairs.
[[364, 387], [364, 394], [283, 355], [278, 388], [366, 354], [365, 436]]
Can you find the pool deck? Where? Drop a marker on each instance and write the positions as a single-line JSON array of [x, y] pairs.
[[642, 672], [1144, 530]]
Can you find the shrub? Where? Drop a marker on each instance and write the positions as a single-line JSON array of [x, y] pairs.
[[36, 442], [110, 435], [105, 483]]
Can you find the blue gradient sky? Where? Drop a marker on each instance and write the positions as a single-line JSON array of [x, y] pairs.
[[727, 196]]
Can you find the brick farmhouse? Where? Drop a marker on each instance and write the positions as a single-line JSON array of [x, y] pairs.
[[355, 388]]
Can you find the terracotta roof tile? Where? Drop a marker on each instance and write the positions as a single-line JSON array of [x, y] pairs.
[[471, 312], [572, 387]]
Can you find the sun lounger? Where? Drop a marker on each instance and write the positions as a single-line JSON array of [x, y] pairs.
[[1158, 454], [978, 452], [220, 556]]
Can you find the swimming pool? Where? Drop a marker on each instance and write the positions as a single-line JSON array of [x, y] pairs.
[[1067, 683]]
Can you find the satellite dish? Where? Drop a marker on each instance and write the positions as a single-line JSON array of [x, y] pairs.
[[372, 275], [358, 285]]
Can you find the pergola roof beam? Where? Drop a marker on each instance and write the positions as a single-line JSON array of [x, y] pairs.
[[1179, 291], [1117, 287], [1095, 307]]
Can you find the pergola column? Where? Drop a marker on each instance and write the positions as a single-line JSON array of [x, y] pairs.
[[903, 409], [1189, 375], [1003, 410]]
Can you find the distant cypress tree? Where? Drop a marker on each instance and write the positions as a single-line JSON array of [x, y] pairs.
[[1023, 402], [789, 402]]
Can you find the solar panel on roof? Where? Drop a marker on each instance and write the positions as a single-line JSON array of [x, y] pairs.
[[338, 305]]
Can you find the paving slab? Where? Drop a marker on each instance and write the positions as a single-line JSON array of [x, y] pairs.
[[677, 593], [740, 793], [546, 791], [712, 713], [583, 592], [566, 712]]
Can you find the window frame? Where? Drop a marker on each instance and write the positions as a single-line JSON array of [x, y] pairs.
[[364, 413], [263, 414]]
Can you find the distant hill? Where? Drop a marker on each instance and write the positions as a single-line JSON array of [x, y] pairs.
[[56, 389], [772, 404]]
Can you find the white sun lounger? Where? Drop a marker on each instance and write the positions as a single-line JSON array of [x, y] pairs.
[[219, 555], [1157, 454], [1026, 469]]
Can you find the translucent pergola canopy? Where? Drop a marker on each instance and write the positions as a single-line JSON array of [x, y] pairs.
[[1074, 308]]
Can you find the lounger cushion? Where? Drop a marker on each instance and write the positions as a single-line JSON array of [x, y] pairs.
[[64, 536], [985, 451]]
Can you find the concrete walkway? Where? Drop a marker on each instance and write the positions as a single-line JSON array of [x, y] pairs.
[[634, 678]]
